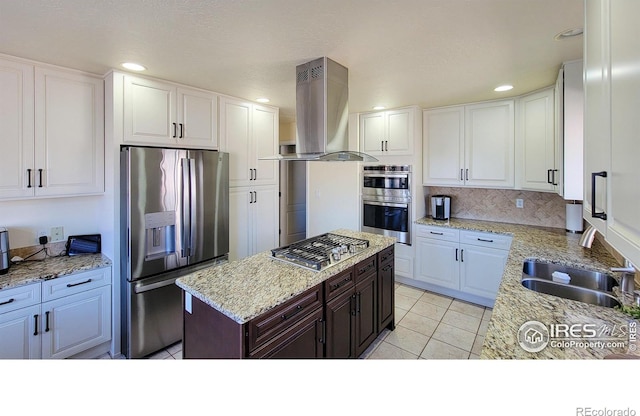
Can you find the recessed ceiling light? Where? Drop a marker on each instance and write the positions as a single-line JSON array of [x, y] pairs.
[[262, 100], [379, 107], [503, 88], [569, 33], [132, 66]]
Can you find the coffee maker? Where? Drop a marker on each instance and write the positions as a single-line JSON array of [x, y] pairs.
[[4, 251], [440, 207]]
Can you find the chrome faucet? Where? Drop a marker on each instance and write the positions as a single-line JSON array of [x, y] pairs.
[[628, 276], [587, 238]]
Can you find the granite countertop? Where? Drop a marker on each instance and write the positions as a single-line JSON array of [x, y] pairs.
[[31, 271], [516, 305], [244, 289]]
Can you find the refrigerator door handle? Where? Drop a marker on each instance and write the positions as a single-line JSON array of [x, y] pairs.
[[188, 177]]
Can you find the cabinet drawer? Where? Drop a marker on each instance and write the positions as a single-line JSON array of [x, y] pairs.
[[274, 322], [386, 256], [365, 268], [438, 233], [75, 283], [19, 297], [492, 240], [339, 283]]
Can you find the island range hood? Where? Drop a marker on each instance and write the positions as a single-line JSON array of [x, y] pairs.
[[322, 114]]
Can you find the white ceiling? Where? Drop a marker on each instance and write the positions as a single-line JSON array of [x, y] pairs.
[[399, 52]]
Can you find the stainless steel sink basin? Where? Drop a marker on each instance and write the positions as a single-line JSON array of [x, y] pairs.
[[581, 294], [587, 286], [589, 279]]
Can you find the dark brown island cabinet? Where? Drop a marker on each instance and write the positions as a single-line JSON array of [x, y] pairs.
[[338, 318]]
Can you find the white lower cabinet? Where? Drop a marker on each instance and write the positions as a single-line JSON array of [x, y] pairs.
[[253, 220], [461, 263], [74, 316]]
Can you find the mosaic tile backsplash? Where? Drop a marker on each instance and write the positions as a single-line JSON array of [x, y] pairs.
[[540, 208]]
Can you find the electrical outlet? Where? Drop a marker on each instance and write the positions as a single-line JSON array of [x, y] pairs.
[[57, 234], [41, 234], [519, 203]]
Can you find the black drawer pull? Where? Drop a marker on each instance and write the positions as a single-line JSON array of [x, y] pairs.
[[40, 174], [602, 215], [433, 232], [46, 314], [462, 255], [35, 325], [7, 302], [549, 180], [485, 240], [78, 284], [181, 130], [364, 269], [457, 254], [28, 178], [299, 309], [175, 130], [338, 285]]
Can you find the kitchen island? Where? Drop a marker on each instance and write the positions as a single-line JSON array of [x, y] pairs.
[[258, 306], [516, 305]]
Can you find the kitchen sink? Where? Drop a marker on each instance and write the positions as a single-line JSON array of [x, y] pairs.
[[581, 294], [587, 286], [589, 279]]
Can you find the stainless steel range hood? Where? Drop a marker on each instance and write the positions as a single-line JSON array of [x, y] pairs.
[[322, 114]]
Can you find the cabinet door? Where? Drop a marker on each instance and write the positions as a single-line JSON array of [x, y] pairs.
[[597, 121], [399, 131], [386, 298], [265, 136], [372, 133], [535, 142], [240, 223], [489, 144], [366, 319], [197, 118], [75, 323], [16, 119], [443, 150], [149, 112], [304, 341], [235, 138], [437, 262], [69, 133], [265, 222], [340, 312], [623, 227], [481, 270], [19, 333]]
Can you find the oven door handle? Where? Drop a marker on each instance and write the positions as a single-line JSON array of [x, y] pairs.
[[387, 204]]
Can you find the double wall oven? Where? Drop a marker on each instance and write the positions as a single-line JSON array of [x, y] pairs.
[[386, 201]]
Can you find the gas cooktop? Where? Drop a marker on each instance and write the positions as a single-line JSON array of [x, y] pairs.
[[318, 253]]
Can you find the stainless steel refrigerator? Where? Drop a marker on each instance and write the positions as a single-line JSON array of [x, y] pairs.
[[175, 220]]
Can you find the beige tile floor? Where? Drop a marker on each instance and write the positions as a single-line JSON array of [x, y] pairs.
[[428, 326]]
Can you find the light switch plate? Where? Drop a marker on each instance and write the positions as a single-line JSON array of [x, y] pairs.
[[57, 234], [519, 203]]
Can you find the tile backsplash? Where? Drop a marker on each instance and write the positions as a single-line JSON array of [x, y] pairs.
[[544, 209]]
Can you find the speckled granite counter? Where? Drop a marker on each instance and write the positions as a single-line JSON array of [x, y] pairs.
[[50, 268], [249, 287], [516, 305]]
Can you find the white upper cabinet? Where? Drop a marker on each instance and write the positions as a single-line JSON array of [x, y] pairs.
[[53, 143], [535, 144], [161, 113], [471, 145], [249, 132], [16, 119], [389, 133], [612, 125]]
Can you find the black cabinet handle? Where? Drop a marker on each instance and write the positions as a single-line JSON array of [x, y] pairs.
[[78, 284], [255, 197], [46, 314], [323, 337], [433, 232], [358, 297], [28, 178], [549, 180], [602, 215], [338, 285], [386, 145], [40, 174], [181, 130], [382, 145], [462, 255], [7, 302], [485, 240], [35, 325], [466, 175], [553, 178], [461, 174], [175, 130], [299, 309], [456, 254], [365, 269], [352, 306]]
